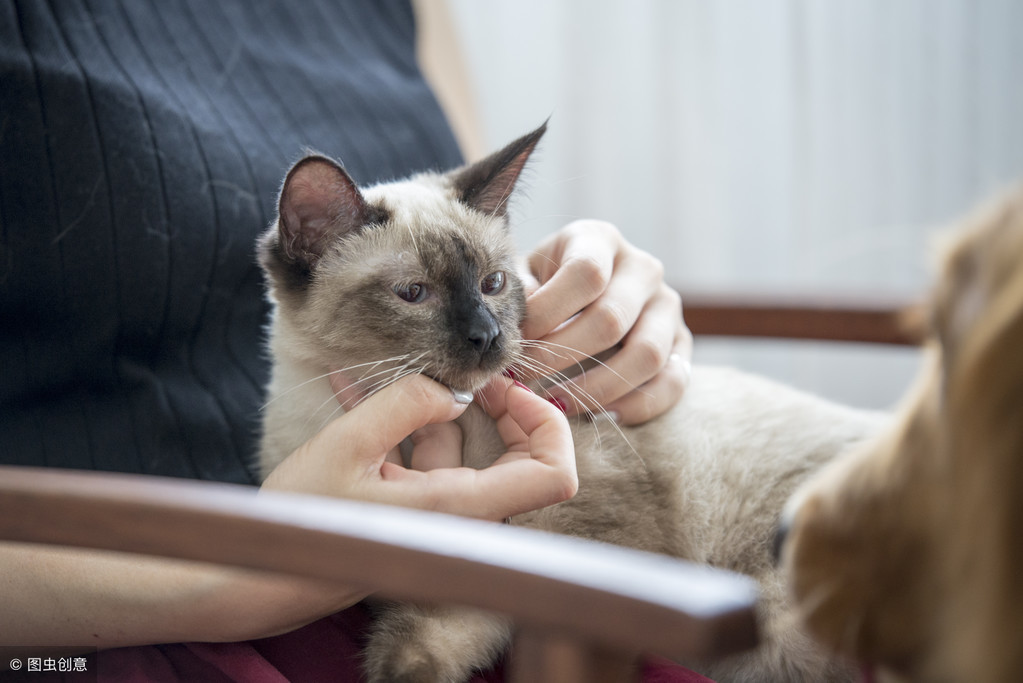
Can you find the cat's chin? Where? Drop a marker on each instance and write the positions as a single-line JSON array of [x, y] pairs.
[[469, 377], [462, 387], [466, 384]]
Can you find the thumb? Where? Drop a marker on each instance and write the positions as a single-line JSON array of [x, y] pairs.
[[382, 420]]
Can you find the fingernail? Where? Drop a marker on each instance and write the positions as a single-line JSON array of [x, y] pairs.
[[687, 367], [558, 403], [463, 397], [510, 374], [521, 385]]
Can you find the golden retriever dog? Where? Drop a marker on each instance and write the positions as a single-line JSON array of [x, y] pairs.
[[907, 555]]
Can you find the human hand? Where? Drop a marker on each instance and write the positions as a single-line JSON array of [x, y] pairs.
[[594, 293], [349, 458]]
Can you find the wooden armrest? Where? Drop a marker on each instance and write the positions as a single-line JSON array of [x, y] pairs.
[[618, 599], [853, 318]]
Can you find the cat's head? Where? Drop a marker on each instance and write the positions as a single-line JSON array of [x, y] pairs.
[[417, 275]]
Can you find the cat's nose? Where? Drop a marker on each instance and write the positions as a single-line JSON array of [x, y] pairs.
[[482, 333]]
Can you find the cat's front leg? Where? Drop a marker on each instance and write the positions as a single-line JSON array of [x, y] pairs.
[[428, 644]]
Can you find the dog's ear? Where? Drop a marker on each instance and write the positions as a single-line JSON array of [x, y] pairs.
[[981, 447]]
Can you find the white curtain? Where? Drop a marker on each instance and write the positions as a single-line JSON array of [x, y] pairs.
[[790, 145]]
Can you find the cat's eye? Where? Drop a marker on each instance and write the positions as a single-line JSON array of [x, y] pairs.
[[412, 293], [493, 283]]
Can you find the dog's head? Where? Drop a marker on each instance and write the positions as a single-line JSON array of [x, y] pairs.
[[908, 554]]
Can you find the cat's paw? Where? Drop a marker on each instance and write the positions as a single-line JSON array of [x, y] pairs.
[[405, 665], [415, 644]]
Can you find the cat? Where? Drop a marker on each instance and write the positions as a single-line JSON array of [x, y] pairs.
[[419, 276]]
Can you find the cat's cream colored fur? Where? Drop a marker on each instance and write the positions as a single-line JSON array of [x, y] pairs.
[[704, 482]]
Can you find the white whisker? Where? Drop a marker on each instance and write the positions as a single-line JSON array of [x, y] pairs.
[[369, 377], [577, 393], [328, 374], [390, 376], [534, 343], [401, 373]]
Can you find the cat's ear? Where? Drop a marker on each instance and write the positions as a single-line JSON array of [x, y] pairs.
[[319, 203], [487, 184]]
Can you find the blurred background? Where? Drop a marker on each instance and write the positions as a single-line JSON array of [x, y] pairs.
[[785, 145]]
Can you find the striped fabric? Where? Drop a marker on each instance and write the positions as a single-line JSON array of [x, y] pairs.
[[141, 148]]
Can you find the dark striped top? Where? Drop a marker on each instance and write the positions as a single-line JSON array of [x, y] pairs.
[[141, 148]]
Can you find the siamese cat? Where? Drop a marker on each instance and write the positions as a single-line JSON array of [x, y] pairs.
[[419, 276]]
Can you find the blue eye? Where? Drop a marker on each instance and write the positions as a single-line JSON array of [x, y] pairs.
[[493, 283], [412, 293]]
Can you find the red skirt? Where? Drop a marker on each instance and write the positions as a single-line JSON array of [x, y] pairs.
[[326, 650]]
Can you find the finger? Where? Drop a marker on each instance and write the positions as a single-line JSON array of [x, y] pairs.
[[606, 321], [435, 446], [495, 493], [643, 354], [656, 396], [382, 420], [581, 274], [494, 400], [522, 416], [492, 396], [539, 467], [346, 390], [544, 427], [537, 470], [353, 384], [529, 282], [545, 260]]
